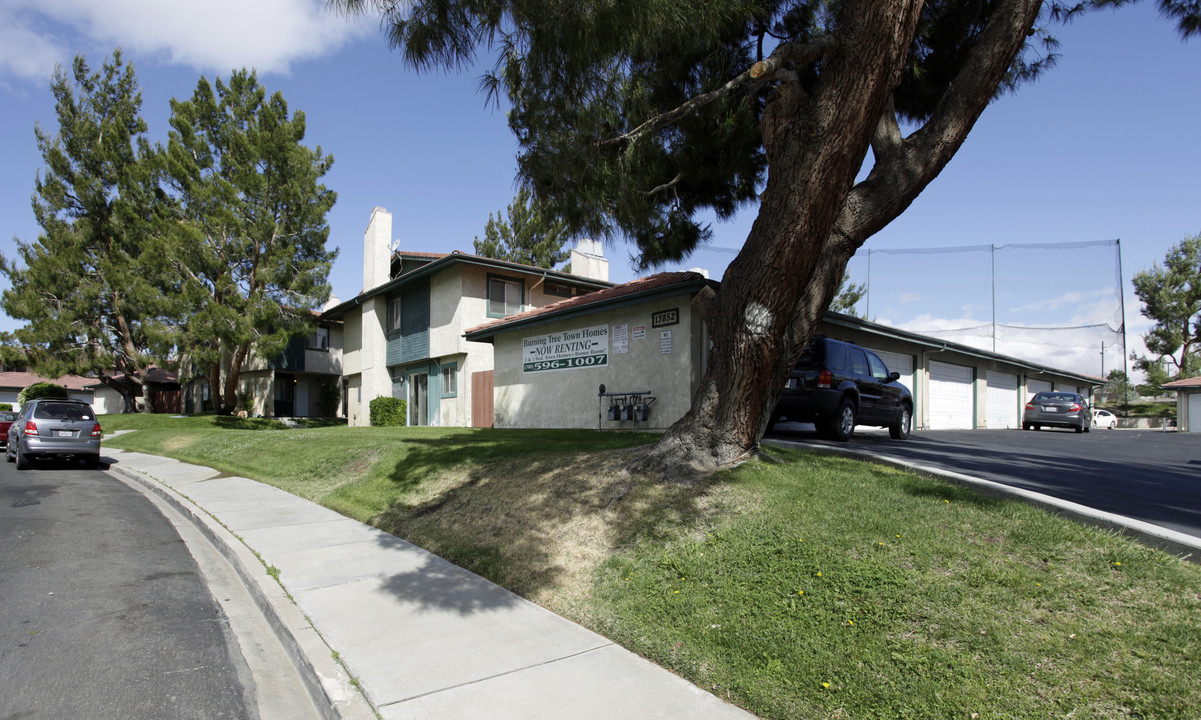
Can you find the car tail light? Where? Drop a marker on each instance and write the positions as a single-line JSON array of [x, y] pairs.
[[30, 428], [1074, 408], [825, 379], [96, 430], [1029, 406]]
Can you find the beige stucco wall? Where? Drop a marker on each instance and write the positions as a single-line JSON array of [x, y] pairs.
[[568, 398]]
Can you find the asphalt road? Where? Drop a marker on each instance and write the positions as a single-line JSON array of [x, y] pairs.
[[1142, 474], [103, 610]]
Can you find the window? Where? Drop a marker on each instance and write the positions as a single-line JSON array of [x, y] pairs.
[[505, 296], [879, 372], [450, 380], [557, 289], [858, 362], [393, 315], [319, 340]]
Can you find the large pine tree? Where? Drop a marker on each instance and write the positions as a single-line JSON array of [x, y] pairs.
[[91, 287], [253, 231], [633, 116]]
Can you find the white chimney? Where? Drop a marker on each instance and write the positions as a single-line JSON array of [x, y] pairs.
[[334, 301], [700, 271], [588, 260], [377, 249]]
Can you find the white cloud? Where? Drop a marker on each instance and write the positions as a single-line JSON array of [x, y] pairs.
[[27, 53], [910, 297], [207, 35]]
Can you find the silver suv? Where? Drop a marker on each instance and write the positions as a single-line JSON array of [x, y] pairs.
[[54, 427]]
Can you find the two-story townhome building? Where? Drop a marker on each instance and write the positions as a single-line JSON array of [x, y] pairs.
[[303, 381], [404, 332]]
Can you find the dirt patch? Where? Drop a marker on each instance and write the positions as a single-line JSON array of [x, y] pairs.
[[541, 526]]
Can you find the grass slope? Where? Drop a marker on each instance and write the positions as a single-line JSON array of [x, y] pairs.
[[817, 587]]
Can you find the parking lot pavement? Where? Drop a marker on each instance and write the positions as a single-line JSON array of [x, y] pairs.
[[1148, 475]]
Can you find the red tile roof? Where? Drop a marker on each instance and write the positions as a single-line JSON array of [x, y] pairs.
[[1185, 383], [642, 285], [22, 380]]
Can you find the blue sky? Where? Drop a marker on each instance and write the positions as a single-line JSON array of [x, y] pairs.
[[1105, 146]]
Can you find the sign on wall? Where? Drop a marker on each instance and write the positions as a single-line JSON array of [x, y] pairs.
[[567, 350], [664, 318]]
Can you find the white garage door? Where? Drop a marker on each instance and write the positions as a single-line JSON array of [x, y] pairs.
[[1194, 412], [951, 400], [896, 362], [1033, 387], [1002, 411]]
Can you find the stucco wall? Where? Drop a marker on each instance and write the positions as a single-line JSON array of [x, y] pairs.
[[568, 398]]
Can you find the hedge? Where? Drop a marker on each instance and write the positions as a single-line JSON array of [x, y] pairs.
[[42, 389], [388, 411]]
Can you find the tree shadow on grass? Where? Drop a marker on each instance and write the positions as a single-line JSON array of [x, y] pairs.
[[533, 522]]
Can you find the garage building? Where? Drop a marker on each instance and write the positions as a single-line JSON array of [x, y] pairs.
[[643, 337]]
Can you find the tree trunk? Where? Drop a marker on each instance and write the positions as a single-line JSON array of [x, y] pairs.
[[813, 217]]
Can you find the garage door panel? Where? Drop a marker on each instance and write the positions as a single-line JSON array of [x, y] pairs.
[[1193, 408], [1034, 387], [1002, 411], [898, 363], [952, 401]]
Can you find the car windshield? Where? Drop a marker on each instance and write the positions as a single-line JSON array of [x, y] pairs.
[[1055, 397], [62, 411]]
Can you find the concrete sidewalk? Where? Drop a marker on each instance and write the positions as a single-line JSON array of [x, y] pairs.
[[423, 638]]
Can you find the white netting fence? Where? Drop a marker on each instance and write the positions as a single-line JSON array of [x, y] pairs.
[[1059, 304]]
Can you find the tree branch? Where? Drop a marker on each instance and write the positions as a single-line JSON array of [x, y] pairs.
[[755, 77], [904, 168]]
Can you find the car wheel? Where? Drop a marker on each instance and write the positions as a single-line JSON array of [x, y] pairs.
[[22, 460], [899, 430], [1025, 426], [842, 425], [92, 462], [1038, 427], [1080, 428], [8, 453]]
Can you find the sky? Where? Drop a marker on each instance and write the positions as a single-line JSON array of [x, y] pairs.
[[1104, 147]]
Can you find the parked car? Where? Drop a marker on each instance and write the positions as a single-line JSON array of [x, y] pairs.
[[1105, 419], [6, 421], [1057, 409], [53, 427], [838, 385]]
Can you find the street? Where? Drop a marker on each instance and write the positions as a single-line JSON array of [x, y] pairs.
[[104, 613], [1142, 474]]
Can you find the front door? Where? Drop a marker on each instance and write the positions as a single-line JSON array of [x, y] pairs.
[[419, 399]]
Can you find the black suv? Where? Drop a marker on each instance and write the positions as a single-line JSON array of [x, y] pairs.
[[838, 385]]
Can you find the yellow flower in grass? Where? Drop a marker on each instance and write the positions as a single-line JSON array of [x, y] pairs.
[[825, 685]]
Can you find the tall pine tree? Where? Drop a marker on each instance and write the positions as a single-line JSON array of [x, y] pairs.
[[1171, 295], [634, 119], [529, 236], [91, 287], [252, 236]]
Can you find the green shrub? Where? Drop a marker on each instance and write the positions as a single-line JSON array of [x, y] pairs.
[[5, 406], [42, 389], [388, 411]]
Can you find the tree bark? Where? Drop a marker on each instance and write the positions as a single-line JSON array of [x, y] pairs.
[[813, 217]]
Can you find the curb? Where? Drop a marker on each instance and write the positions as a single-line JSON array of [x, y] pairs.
[[1186, 547], [330, 688]]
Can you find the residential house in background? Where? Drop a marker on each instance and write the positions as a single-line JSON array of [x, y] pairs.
[[12, 382], [164, 393], [302, 382], [404, 332]]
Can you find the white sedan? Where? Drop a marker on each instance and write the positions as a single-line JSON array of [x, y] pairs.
[[1104, 419]]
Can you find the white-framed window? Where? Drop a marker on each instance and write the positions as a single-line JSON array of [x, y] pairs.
[[450, 380], [393, 315], [319, 340], [505, 296]]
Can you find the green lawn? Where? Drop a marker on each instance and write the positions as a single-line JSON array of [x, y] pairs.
[[818, 587]]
